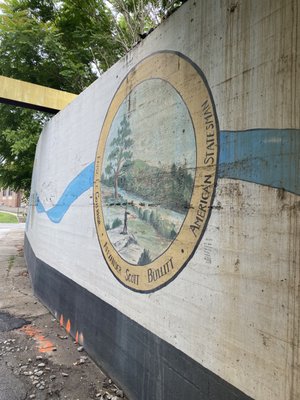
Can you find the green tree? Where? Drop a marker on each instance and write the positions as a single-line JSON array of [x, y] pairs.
[[66, 45], [17, 146], [32, 49], [120, 154], [87, 28], [135, 18]]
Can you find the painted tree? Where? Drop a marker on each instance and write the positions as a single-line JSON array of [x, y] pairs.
[[120, 154], [144, 258]]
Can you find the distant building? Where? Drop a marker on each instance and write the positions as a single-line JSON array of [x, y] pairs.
[[9, 198]]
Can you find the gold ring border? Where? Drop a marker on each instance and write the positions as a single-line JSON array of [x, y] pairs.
[[190, 83]]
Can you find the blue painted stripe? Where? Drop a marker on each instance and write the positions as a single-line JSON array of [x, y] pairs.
[[269, 157], [80, 184]]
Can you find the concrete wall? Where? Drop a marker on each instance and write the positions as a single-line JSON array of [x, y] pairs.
[[230, 311]]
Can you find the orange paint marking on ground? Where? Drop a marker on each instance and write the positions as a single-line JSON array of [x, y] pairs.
[[68, 326], [44, 345], [61, 321]]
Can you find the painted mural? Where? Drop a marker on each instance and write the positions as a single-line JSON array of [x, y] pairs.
[[155, 171], [148, 172]]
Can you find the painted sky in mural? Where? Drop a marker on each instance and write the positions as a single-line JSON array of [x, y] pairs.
[[161, 126], [148, 171]]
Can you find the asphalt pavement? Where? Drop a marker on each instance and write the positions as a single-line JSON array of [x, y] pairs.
[[38, 359]]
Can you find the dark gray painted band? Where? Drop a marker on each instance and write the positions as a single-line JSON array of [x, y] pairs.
[[147, 367]]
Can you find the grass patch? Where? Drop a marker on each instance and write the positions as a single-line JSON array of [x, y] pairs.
[[8, 218]]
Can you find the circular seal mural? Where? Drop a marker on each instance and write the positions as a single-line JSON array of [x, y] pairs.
[[155, 171]]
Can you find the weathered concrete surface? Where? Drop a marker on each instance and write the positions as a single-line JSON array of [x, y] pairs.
[[11, 388], [37, 358]]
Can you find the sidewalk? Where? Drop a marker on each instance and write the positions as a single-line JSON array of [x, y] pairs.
[[38, 360]]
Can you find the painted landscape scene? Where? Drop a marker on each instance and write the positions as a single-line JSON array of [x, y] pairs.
[[148, 172]]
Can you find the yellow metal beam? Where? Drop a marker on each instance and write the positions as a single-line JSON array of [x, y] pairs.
[[36, 97]]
